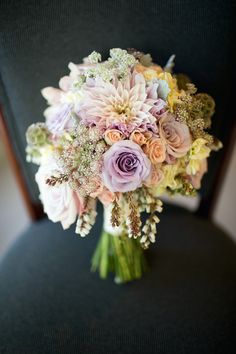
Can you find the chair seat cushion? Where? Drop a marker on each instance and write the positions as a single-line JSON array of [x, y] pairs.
[[51, 303]]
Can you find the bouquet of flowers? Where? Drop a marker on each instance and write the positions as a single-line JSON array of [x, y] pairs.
[[123, 131]]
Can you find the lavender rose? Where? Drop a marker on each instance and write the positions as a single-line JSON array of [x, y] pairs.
[[175, 134], [125, 167]]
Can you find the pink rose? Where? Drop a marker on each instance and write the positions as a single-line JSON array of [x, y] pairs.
[[158, 109], [60, 202], [175, 134]]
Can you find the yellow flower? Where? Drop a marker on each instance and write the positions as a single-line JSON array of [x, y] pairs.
[[150, 72], [175, 93], [197, 153], [169, 180]]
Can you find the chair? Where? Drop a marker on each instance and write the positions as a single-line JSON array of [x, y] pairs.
[[49, 301]]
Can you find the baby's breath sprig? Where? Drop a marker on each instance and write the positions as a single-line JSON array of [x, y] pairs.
[[118, 64], [94, 57], [80, 159], [87, 219]]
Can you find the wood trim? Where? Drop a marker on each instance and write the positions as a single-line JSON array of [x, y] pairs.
[[208, 205], [35, 211]]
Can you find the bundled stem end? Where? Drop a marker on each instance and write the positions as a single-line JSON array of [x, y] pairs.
[[119, 255]]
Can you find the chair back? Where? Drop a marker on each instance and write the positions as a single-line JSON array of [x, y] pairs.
[[39, 38]]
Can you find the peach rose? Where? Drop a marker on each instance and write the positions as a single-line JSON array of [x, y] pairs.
[[138, 137], [155, 177], [156, 150], [111, 136]]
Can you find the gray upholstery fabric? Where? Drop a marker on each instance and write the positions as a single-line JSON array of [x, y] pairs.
[[51, 303], [39, 38]]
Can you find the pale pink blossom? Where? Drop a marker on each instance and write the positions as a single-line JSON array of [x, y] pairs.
[[60, 202], [59, 118], [67, 81], [52, 95]]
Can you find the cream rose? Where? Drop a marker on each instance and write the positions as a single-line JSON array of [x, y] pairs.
[[111, 136], [60, 202], [156, 150], [175, 134]]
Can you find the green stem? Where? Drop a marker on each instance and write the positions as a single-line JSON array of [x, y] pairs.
[[120, 255]]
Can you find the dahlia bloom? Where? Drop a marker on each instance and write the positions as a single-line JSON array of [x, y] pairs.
[[117, 103]]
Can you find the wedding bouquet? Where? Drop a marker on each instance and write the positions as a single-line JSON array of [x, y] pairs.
[[123, 131]]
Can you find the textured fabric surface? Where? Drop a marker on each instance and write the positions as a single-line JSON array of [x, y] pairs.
[[51, 303], [39, 38]]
